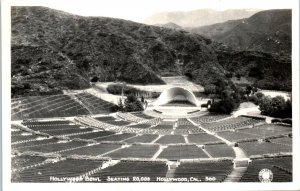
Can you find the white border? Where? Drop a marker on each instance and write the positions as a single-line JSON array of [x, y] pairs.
[[6, 108]]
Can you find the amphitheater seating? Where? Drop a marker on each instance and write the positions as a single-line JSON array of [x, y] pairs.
[[24, 137], [220, 150], [134, 168], [140, 126], [111, 120], [15, 127], [116, 137], [237, 136], [105, 118], [92, 135], [196, 131], [44, 141], [168, 139], [183, 122], [171, 123], [218, 169], [129, 137], [92, 150], [142, 115], [153, 121], [267, 130], [177, 152], [61, 132], [17, 132], [275, 127], [25, 161], [281, 174], [47, 106], [59, 106], [202, 138], [57, 128], [45, 123], [162, 127], [130, 117], [119, 123], [94, 104], [64, 168], [135, 151], [211, 117], [49, 148], [91, 122], [231, 123], [186, 127], [52, 127], [146, 138], [261, 148], [163, 131], [181, 131], [283, 141]]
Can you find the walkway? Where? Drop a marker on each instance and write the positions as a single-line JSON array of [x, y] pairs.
[[171, 169], [241, 159], [80, 102], [174, 81], [236, 174]]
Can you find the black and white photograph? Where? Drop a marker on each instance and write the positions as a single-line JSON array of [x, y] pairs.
[[144, 92]]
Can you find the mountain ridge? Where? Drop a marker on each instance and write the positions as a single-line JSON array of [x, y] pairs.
[[265, 31], [200, 17]]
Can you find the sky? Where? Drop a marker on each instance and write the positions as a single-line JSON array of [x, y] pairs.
[[139, 10]]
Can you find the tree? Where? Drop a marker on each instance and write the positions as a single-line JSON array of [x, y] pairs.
[[133, 104], [265, 105], [223, 106], [95, 79], [254, 99], [278, 105], [275, 107], [142, 99], [288, 108], [248, 90], [229, 101], [120, 105], [259, 95], [210, 89], [220, 86], [229, 95]]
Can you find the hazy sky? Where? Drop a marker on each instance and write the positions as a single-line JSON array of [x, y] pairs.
[[139, 10]]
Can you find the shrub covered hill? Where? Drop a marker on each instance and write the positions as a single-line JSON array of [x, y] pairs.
[[265, 31], [52, 51]]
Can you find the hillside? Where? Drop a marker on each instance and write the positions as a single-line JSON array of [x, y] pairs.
[[39, 70], [213, 31], [54, 50], [265, 31], [266, 71], [200, 17]]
